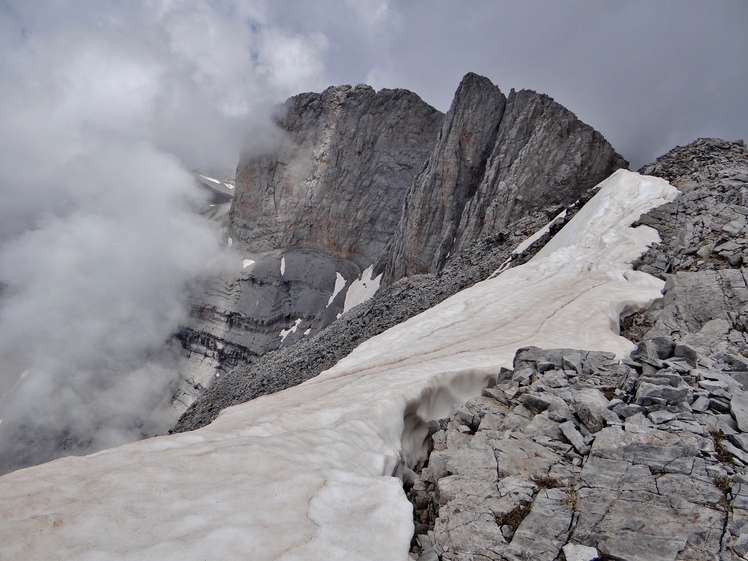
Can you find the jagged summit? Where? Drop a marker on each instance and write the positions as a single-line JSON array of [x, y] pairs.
[[362, 188], [496, 159]]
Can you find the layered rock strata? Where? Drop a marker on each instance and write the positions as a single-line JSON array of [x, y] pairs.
[[496, 159]]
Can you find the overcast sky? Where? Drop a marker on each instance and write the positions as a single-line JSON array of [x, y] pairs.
[[646, 74], [105, 105]]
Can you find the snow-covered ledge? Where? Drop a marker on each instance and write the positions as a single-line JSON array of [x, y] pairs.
[[307, 473]]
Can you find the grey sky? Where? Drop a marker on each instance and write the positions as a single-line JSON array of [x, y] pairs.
[[105, 105], [647, 74]]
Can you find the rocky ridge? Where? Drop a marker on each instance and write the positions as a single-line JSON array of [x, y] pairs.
[[496, 159], [325, 205], [642, 460], [574, 455]]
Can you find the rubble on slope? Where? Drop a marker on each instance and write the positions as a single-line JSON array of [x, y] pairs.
[[704, 230]]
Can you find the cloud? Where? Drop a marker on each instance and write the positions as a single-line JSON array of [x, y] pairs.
[[104, 109]]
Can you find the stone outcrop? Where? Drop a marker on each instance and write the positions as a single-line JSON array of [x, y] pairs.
[[573, 451], [496, 159], [704, 236]]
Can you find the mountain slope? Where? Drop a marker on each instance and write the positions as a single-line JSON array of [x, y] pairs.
[[306, 473], [335, 207]]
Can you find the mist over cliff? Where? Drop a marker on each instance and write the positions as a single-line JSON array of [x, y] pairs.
[[101, 121]]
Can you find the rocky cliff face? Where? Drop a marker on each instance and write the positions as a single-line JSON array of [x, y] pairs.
[[496, 159], [355, 179], [313, 208], [338, 180]]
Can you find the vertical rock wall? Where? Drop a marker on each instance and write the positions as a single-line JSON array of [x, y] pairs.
[[337, 184], [317, 200], [496, 160]]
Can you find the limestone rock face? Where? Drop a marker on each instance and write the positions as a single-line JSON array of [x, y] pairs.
[[351, 178], [346, 159], [336, 188], [496, 159], [315, 204]]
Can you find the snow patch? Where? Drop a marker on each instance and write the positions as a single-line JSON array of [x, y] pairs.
[[362, 289], [339, 285], [283, 266], [247, 262], [230, 242], [307, 332], [306, 473], [229, 185], [210, 179], [286, 332]]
